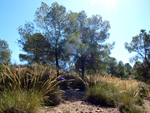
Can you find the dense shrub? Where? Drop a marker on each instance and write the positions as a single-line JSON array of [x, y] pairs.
[[104, 94]]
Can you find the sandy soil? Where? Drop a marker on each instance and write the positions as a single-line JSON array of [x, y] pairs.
[[146, 106], [72, 103]]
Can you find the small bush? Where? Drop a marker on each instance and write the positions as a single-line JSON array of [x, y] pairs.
[[144, 91], [130, 109], [129, 103], [19, 101], [104, 94]]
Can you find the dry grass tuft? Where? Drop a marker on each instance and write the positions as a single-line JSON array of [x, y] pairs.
[[27, 85], [124, 85]]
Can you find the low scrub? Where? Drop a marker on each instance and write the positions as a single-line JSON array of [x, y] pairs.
[[130, 103], [19, 101], [25, 89], [131, 109], [111, 91], [104, 94], [144, 90]]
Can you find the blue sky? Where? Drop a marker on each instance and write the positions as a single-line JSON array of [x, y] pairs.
[[126, 17]]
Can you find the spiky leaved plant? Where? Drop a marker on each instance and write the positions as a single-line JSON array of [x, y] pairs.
[[25, 89]]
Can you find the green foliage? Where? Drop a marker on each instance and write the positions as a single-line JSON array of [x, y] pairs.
[[107, 94], [139, 101], [140, 44], [36, 46], [120, 72], [112, 91], [68, 38], [104, 94], [85, 37], [2, 68], [141, 72], [112, 63], [144, 91], [17, 101], [5, 52], [128, 69], [52, 100], [129, 104], [131, 109], [52, 20]]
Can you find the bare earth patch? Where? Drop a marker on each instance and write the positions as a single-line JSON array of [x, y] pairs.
[[146, 106], [72, 103]]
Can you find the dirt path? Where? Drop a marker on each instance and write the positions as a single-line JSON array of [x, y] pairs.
[[72, 103]]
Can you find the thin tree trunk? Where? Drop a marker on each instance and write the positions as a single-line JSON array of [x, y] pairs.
[[57, 64], [56, 58], [82, 67]]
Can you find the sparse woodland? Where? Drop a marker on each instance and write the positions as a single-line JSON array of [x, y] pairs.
[[67, 51]]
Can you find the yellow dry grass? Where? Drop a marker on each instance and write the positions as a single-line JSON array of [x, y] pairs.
[[124, 85], [18, 77], [30, 84]]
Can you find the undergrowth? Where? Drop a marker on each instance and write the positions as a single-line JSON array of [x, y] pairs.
[[103, 94], [111, 91], [20, 101], [26, 89]]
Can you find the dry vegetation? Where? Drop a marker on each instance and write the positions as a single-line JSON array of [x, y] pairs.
[[109, 90], [27, 89]]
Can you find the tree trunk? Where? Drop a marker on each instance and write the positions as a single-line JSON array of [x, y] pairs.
[[56, 58], [82, 67]]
